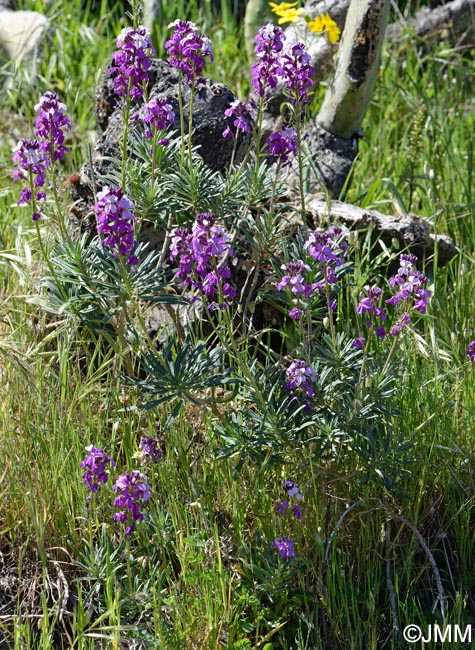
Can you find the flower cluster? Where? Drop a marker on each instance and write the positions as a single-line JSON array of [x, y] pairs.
[[201, 255], [411, 292], [286, 11], [131, 62], [115, 220], [295, 280], [369, 305], [242, 113], [281, 145], [324, 23], [151, 449], [96, 463], [301, 379], [471, 351], [284, 504], [188, 50], [285, 547], [132, 491], [34, 156], [157, 113], [329, 249]]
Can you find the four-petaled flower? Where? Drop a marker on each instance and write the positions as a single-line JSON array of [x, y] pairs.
[[96, 465]]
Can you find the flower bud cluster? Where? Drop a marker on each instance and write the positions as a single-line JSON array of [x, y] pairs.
[[131, 62], [201, 253], [115, 220], [132, 491], [188, 50]]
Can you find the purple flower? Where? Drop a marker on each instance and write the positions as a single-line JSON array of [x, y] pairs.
[[158, 114], [285, 547], [187, 49], [297, 512], [411, 292], [115, 220], [131, 62], [151, 449], [243, 114], [300, 379], [471, 351], [281, 145], [359, 342], [132, 491], [201, 255], [31, 163], [95, 464], [294, 278], [295, 70], [329, 248], [282, 506], [264, 71], [50, 125], [368, 304], [296, 313]]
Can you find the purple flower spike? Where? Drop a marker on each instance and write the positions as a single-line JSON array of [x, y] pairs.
[[188, 50], [294, 278], [115, 220], [285, 547], [282, 146], [131, 62], [295, 70], [264, 71], [95, 464], [50, 125], [132, 491]]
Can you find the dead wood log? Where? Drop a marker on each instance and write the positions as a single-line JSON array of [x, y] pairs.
[[410, 232]]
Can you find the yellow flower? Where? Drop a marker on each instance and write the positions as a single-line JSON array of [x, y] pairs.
[[286, 11], [326, 24]]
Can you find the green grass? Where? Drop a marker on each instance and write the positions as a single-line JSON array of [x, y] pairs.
[[198, 572]]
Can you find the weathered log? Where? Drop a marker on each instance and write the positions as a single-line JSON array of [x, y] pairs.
[[410, 232], [455, 19]]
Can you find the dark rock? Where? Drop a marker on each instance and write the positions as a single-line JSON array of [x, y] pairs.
[[210, 101]]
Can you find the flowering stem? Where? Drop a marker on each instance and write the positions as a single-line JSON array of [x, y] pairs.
[[298, 130], [190, 122], [182, 115]]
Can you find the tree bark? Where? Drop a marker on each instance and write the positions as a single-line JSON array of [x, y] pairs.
[[350, 92]]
